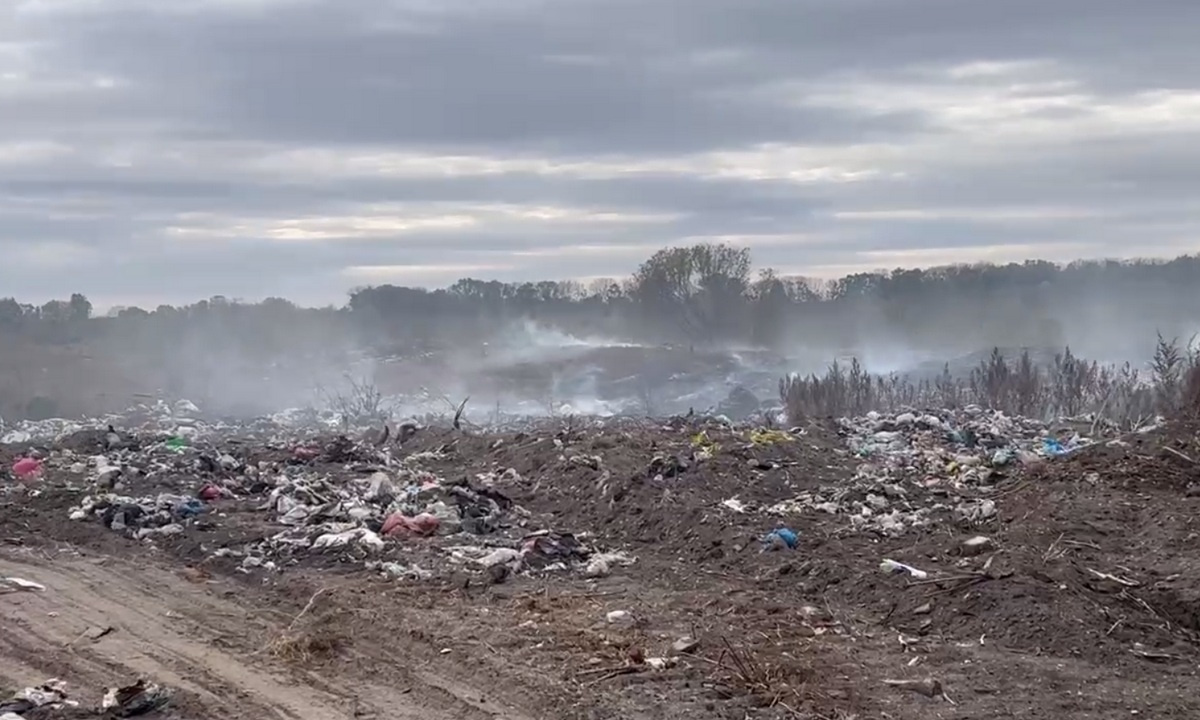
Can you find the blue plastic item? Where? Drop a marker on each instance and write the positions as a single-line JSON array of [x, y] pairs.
[[1053, 447], [189, 508], [789, 537]]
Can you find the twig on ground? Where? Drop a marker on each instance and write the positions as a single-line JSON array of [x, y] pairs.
[[459, 412], [949, 578], [629, 670], [1114, 578], [1178, 454], [605, 670], [1051, 552]]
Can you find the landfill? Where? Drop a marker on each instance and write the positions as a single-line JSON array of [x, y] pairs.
[[570, 566]]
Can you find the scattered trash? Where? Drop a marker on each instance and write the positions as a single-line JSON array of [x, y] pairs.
[[894, 568], [134, 700], [976, 546], [780, 539], [619, 617], [51, 694], [347, 497], [422, 525], [27, 469], [685, 646], [909, 464], [661, 663], [501, 556], [1053, 447], [209, 493], [735, 505], [177, 443], [362, 537], [763, 436], [16, 584], [602, 564], [598, 567]]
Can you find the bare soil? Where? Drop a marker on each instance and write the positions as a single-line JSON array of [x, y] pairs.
[[1088, 606]]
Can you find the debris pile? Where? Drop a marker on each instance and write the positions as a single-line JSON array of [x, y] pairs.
[[280, 504], [916, 469], [135, 700], [51, 695], [182, 420]]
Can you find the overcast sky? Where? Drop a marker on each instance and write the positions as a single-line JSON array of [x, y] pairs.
[[169, 150]]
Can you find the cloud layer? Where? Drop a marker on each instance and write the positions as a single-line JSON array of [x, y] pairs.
[[162, 152]]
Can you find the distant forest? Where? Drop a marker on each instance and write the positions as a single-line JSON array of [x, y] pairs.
[[703, 295], [61, 359]]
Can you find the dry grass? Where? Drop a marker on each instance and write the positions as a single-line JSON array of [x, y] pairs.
[[310, 641], [739, 671], [1068, 387], [305, 646]]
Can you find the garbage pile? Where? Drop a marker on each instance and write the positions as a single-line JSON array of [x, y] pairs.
[[918, 469], [271, 506], [182, 418]]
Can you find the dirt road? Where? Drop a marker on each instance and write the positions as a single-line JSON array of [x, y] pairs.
[[195, 636]]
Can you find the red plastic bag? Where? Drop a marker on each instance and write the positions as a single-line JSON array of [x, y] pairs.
[[27, 469], [422, 525]]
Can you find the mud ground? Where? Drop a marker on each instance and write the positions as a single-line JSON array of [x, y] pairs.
[[1088, 606]]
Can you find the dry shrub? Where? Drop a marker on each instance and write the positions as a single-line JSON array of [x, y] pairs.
[[360, 404], [314, 643], [740, 673], [1067, 387], [779, 677], [308, 639], [1190, 399]]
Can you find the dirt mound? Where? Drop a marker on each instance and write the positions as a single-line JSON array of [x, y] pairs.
[[657, 486], [1165, 457], [1088, 557]]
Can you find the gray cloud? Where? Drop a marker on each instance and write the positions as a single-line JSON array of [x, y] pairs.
[[300, 147]]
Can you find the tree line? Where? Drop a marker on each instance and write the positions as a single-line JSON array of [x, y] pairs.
[[705, 294]]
